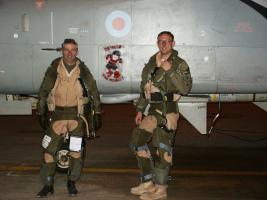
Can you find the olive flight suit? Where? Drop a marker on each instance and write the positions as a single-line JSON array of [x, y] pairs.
[[68, 97], [152, 141]]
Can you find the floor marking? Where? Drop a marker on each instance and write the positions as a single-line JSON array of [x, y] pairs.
[[13, 168]]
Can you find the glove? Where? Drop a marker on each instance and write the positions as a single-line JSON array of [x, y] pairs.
[[43, 121], [97, 121]]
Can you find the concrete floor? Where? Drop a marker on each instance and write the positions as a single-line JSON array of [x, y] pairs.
[[229, 164]]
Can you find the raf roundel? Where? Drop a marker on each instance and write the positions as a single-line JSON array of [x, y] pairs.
[[118, 23]]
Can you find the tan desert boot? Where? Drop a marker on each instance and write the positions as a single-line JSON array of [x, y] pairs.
[[143, 188], [159, 193]]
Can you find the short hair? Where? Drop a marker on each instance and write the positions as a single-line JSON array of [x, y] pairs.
[[166, 32], [69, 41]]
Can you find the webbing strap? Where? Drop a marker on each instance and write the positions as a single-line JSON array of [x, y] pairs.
[[86, 125], [146, 177], [165, 147], [142, 148], [161, 96]]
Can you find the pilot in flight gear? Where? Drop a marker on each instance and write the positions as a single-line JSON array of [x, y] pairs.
[[68, 94], [164, 79]]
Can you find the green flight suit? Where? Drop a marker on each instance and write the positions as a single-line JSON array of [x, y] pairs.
[[47, 170], [176, 80]]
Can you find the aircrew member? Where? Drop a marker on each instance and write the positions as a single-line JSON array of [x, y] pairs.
[[69, 94], [165, 78]]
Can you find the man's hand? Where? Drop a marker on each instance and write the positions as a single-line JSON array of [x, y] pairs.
[[97, 121], [43, 121], [138, 118], [163, 62]]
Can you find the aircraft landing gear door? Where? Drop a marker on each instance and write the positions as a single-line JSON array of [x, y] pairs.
[[42, 38], [114, 65]]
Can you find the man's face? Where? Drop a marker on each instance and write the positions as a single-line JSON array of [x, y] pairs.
[[70, 52], [165, 43]]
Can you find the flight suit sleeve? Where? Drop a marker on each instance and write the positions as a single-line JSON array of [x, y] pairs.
[[180, 76], [93, 91], [44, 90], [142, 102]]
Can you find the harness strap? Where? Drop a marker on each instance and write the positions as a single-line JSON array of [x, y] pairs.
[[142, 148], [86, 125], [158, 96], [166, 147], [146, 177]]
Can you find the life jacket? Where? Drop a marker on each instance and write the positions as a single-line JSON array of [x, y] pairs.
[[67, 90]]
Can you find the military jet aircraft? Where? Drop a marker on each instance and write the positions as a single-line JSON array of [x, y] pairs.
[[224, 42]]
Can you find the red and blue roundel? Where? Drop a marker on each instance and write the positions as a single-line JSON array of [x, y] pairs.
[[118, 23]]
